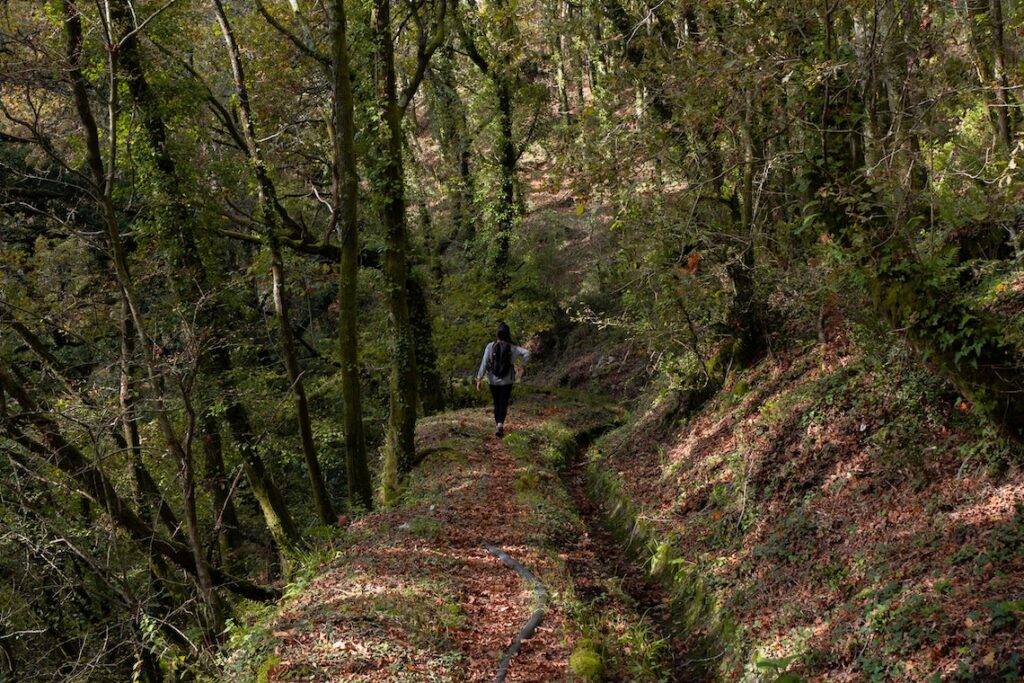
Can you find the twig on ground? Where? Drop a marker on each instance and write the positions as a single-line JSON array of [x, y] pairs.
[[525, 633]]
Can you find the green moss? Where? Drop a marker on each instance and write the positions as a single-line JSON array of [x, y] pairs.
[[560, 444], [425, 527], [451, 615], [661, 559], [527, 480], [518, 444], [740, 389], [263, 674], [587, 664], [696, 607]]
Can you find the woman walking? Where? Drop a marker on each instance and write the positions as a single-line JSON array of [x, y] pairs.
[[498, 364]]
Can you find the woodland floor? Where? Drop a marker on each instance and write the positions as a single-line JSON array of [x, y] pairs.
[[849, 530]]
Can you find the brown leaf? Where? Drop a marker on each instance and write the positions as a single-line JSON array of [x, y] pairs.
[[693, 261]]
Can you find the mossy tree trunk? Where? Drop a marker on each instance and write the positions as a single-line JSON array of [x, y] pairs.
[[506, 210], [498, 69], [448, 116], [988, 45], [321, 498], [346, 196], [431, 386], [400, 444]]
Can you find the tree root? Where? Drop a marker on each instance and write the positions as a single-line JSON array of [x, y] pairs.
[[525, 633]]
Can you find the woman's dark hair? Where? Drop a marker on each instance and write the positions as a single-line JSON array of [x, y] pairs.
[[503, 333]]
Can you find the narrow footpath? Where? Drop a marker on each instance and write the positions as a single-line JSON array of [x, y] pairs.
[[414, 593]]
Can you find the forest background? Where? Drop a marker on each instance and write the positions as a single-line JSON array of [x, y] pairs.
[[246, 245]]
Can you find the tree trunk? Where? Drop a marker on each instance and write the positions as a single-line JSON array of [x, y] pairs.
[[275, 512], [400, 445], [499, 71], [225, 518], [148, 493], [561, 58], [431, 386], [214, 605], [1002, 84], [346, 195], [506, 209], [910, 108], [451, 130], [321, 499], [986, 28], [745, 324]]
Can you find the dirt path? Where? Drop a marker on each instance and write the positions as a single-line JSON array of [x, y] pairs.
[[497, 601], [412, 594]]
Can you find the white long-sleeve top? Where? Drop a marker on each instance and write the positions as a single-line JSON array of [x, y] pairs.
[[517, 352]]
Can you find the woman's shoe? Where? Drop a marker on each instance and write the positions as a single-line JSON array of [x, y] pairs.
[[499, 431]]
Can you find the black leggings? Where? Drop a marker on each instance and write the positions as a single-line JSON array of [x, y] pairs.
[[501, 393]]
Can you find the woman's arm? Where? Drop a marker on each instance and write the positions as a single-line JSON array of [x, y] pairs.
[[483, 366], [483, 362], [524, 355]]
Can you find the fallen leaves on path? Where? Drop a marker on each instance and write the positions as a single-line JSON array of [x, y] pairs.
[[415, 596]]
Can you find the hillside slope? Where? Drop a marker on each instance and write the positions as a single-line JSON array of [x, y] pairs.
[[837, 517]]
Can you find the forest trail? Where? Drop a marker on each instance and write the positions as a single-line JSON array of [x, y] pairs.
[[242, 243], [412, 594]]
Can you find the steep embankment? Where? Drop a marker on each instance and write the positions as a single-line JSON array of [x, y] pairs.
[[413, 594], [832, 517]]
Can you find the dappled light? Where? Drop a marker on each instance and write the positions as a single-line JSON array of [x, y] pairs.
[[646, 341]]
